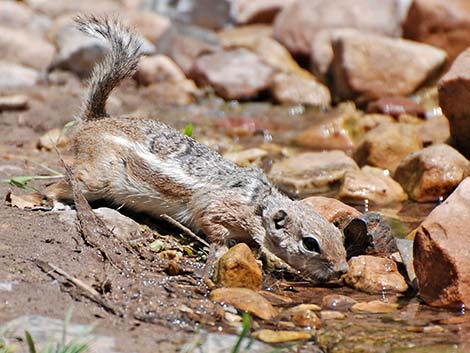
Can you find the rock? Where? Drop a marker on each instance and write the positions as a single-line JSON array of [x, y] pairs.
[[396, 106], [247, 157], [238, 268], [77, 52], [444, 25], [158, 68], [122, 226], [245, 299], [341, 130], [51, 139], [333, 210], [374, 307], [432, 173], [264, 11], [23, 47], [213, 14], [454, 94], [387, 144], [234, 74], [222, 343], [148, 24], [302, 315], [297, 25], [311, 171], [293, 89], [13, 75], [337, 302], [244, 36], [440, 252], [405, 248], [359, 186], [16, 102], [185, 48], [434, 130], [373, 274], [280, 336], [53, 8], [371, 121], [17, 15], [171, 93], [332, 315], [45, 330], [368, 66]]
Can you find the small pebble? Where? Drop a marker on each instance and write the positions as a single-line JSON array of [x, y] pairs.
[[271, 336], [331, 315], [337, 302], [374, 307]]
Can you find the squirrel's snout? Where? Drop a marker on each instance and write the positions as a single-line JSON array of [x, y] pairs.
[[341, 268]]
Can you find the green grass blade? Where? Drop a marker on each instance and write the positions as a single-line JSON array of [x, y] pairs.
[[246, 326], [188, 130], [30, 341]]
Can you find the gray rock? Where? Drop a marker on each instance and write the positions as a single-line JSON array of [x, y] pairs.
[[298, 24], [312, 171], [234, 74], [405, 247], [222, 343], [13, 75], [45, 330]]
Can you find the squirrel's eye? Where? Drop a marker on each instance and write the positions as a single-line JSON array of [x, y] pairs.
[[311, 244], [279, 219]]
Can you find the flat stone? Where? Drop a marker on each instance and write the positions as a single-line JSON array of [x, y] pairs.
[[341, 130], [373, 274], [239, 268], [247, 157], [241, 36], [432, 173], [223, 343], [374, 307], [440, 251], [333, 210], [280, 336], [337, 302], [245, 299], [368, 66], [16, 102], [454, 94], [25, 48], [387, 144], [444, 25], [358, 186], [311, 171], [297, 25], [302, 316], [264, 11], [331, 315], [234, 74], [13, 75], [294, 89]]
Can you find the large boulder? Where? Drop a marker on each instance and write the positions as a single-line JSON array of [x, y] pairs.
[[454, 95], [297, 25], [233, 74], [432, 173], [368, 66], [440, 252], [444, 24]]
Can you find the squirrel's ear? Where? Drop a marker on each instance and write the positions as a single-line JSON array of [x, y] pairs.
[[280, 219]]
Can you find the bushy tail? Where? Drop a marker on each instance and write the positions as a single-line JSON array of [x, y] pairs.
[[119, 64]]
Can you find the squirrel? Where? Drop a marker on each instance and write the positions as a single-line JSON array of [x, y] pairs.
[[150, 167]]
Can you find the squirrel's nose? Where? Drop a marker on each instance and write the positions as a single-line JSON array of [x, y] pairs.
[[341, 268]]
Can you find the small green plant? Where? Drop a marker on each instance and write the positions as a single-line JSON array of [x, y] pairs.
[[246, 327], [188, 130], [23, 181]]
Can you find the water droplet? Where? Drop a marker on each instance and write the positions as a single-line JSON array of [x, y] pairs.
[[366, 205]]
